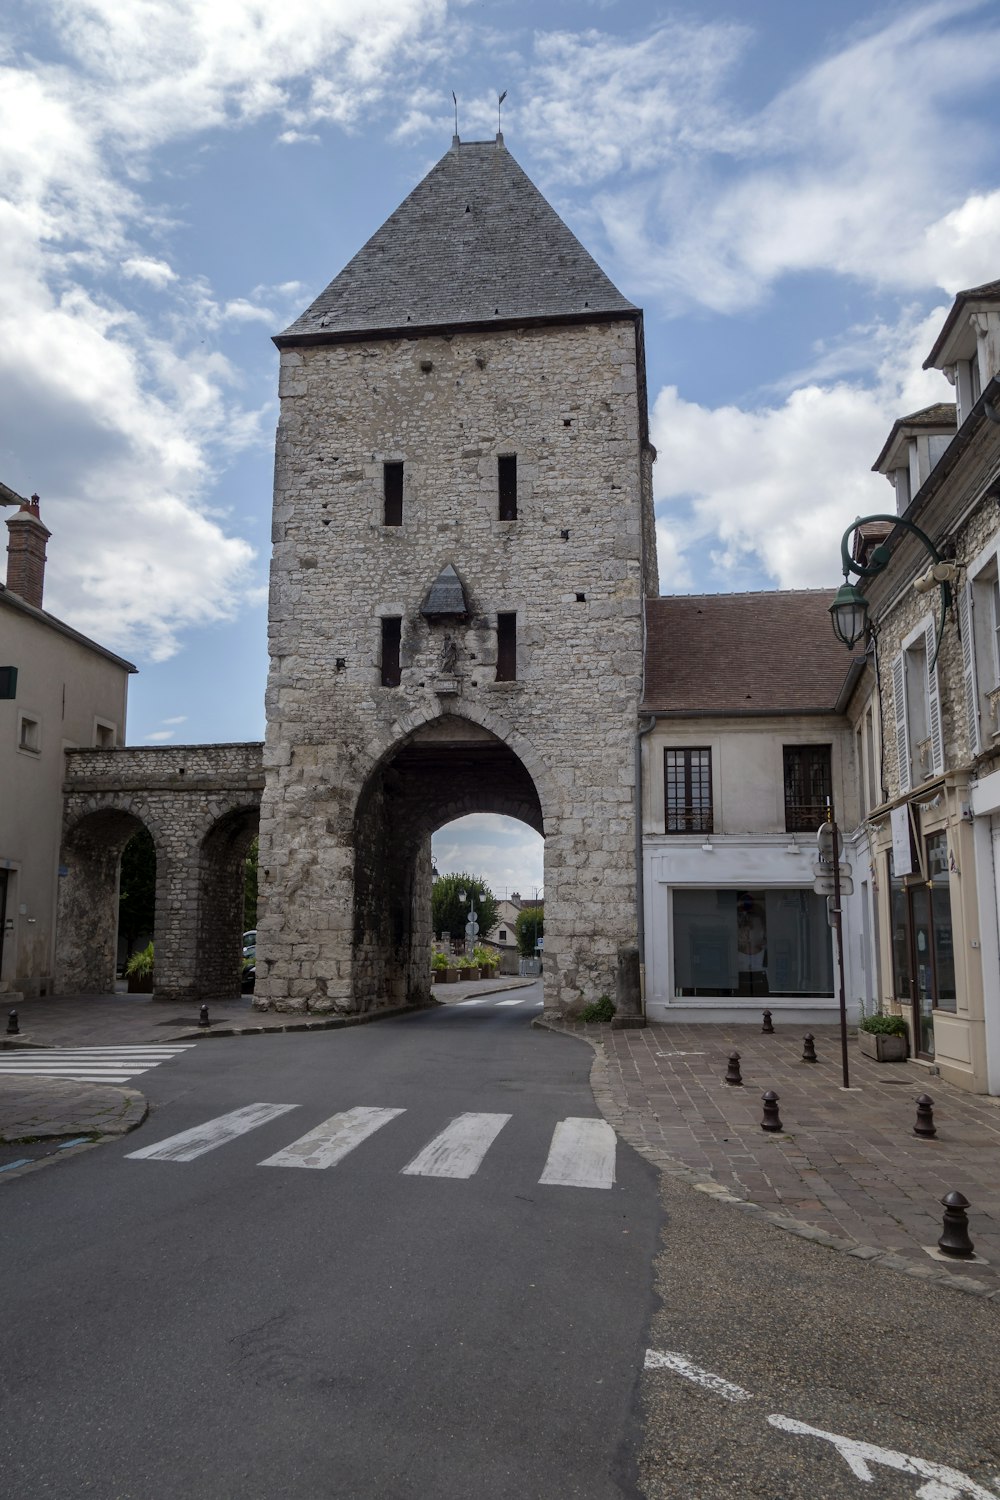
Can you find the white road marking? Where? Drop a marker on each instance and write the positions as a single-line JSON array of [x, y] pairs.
[[480, 1001], [195, 1142], [511, 1002], [582, 1154], [459, 1149], [666, 1360], [943, 1482], [334, 1139], [88, 1064]]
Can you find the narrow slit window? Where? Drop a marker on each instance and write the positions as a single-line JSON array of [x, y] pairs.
[[392, 491], [506, 648], [507, 486], [392, 630]]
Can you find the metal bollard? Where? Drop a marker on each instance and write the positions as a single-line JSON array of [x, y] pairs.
[[203, 1016], [767, 1026], [771, 1120], [955, 1239], [13, 1029], [809, 1048], [925, 1117], [733, 1074]]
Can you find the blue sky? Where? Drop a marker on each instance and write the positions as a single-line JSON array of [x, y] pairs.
[[792, 193]]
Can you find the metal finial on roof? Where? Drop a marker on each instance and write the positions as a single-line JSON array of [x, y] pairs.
[[455, 102], [499, 102]]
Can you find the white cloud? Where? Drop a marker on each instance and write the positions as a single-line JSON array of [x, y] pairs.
[[506, 853], [145, 268], [868, 165], [771, 490], [120, 428], [298, 138], [159, 735]]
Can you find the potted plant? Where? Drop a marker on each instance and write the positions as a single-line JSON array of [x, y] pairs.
[[139, 971], [883, 1038], [469, 969], [439, 967]]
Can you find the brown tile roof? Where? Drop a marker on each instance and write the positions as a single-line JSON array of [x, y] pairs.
[[738, 653], [941, 414]]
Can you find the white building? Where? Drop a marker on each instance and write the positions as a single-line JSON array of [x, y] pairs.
[[743, 742], [58, 691]]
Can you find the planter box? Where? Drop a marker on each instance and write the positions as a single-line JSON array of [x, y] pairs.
[[882, 1048], [140, 984], [450, 976], [471, 974]]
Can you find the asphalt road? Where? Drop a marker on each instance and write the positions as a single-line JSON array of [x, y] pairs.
[[208, 1327]]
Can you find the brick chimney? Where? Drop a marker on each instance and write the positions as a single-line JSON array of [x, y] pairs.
[[26, 553]]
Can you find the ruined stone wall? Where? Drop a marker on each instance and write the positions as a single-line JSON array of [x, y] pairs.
[[200, 804], [566, 401]]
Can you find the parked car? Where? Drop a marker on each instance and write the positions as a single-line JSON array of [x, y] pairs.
[[250, 943]]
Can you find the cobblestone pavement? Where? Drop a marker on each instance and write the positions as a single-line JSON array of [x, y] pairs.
[[846, 1166]]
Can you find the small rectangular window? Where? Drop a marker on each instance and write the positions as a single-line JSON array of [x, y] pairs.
[[8, 682], [104, 735], [506, 648], [29, 735], [808, 785], [392, 630], [687, 780], [507, 486], [392, 490]]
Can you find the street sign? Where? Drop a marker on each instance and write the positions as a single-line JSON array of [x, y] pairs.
[[823, 884], [472, 928], [824, 867], [824, 841]]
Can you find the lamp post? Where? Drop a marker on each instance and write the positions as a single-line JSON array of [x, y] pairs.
[[472, 924], [849, 610]]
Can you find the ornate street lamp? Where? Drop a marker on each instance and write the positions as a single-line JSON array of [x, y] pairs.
[[849, 610]]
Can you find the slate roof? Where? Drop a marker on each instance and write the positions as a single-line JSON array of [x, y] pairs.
[[474, 243], [989, 290], [9, 496], [941, 414], [743, 653]]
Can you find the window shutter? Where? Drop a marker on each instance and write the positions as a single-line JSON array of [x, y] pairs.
[[933, 703], [902, 728], [966, 624]]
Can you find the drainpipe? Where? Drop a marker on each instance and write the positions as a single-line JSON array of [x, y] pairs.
[[640, 891]]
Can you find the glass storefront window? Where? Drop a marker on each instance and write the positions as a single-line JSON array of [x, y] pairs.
[[940, 893], [902, 973], [749, 943]]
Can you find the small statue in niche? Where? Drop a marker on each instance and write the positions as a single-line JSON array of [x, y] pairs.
[[449, 656]]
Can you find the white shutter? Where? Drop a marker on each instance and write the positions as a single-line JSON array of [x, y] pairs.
[[967, 625], [933, 702], [902, 727]]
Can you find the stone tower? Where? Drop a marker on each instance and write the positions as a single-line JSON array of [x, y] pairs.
[[463, 538]]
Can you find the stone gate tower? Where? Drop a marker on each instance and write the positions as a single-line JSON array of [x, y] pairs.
[[463, 538]]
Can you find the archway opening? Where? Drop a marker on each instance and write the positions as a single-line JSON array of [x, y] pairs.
[[444, 771], [222, 904], [506, 857], [136, 907], [89, 899]]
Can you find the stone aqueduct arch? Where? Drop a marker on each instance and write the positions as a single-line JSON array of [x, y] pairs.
[[201, 804]]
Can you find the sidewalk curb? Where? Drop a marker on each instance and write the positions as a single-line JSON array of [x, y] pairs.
[[315, 1023], [703, 1182]]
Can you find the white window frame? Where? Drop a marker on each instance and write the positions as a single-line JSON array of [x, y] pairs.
[[915, 683], [979, 623]]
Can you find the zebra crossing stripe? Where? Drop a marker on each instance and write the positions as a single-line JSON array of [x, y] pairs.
[[459, 1149], [510, 1002], [333, 1140], [481, 1001], [582, 1154], [88, 1064], [201, 1138]]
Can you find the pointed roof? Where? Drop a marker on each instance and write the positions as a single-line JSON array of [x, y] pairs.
[[475, 243]]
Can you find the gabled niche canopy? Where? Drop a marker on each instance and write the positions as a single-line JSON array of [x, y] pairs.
[[446, 597]]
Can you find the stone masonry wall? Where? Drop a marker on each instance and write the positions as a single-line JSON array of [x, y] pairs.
[[200, 804], [565, 400]]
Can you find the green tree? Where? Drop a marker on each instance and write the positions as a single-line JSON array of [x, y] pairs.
[[450, 914], [137, 888], [530, 925], [250, 889]]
